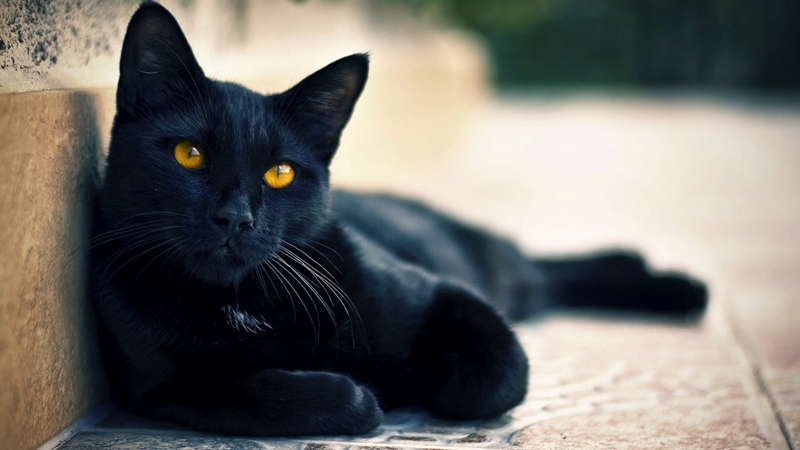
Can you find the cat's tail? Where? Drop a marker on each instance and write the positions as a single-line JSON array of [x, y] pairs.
[[610, 280]]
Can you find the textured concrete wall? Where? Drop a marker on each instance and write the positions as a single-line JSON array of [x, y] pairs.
[[58, 66], [48, 366]]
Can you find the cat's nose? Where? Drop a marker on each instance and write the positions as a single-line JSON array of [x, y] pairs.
[[234, 220]]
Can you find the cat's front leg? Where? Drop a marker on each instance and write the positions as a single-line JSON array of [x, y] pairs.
[[467, 360], [267, 403]]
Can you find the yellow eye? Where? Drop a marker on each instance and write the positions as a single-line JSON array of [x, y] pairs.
[[280, 175], [189, 155]]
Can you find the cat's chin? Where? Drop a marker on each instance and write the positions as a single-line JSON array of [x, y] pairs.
[[217, 269], [217, 275]]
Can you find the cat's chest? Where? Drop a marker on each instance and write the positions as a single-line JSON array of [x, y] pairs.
[[221, 314], [242, 324]]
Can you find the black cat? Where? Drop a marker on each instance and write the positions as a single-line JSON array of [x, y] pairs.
[[236, 293]]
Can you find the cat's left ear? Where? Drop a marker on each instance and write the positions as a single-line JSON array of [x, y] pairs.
[[320, 105], [157, 67]]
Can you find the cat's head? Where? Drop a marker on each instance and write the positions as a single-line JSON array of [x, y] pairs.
[[210, 174]]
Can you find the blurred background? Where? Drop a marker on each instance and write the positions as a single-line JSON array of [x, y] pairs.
[[668, 126], [645, 43]]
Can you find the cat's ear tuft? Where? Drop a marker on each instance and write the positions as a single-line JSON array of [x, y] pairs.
[[323, 102], [157, 65]]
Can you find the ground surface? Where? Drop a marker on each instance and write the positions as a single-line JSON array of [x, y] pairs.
[[710, 185]]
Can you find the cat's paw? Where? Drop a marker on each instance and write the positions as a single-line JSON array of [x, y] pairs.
[[267, 403], [470, 362], [340, 406]]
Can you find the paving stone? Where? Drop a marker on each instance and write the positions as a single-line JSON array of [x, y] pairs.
[[131, 441], [693, 425], [784, 386]]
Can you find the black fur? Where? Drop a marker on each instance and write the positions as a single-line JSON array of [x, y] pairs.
[[234, 307]]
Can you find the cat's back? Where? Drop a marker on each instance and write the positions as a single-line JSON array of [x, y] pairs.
[[406, 228], [419, 235], [391, 220]]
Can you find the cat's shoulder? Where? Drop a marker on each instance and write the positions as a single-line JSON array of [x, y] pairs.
[[347, 203]]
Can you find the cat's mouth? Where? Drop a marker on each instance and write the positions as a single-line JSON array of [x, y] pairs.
[[226, 254], [220, 266]]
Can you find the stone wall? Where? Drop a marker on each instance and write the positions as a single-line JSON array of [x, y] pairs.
[[48, 365], [58, 67]]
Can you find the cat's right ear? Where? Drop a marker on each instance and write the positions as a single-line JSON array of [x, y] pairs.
[[157, 66], [322, 103]]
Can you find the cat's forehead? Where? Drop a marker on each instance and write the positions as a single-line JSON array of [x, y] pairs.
[[241, 116], [235, 104]]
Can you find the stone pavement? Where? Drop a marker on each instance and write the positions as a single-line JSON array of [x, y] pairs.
[[710, 185]]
